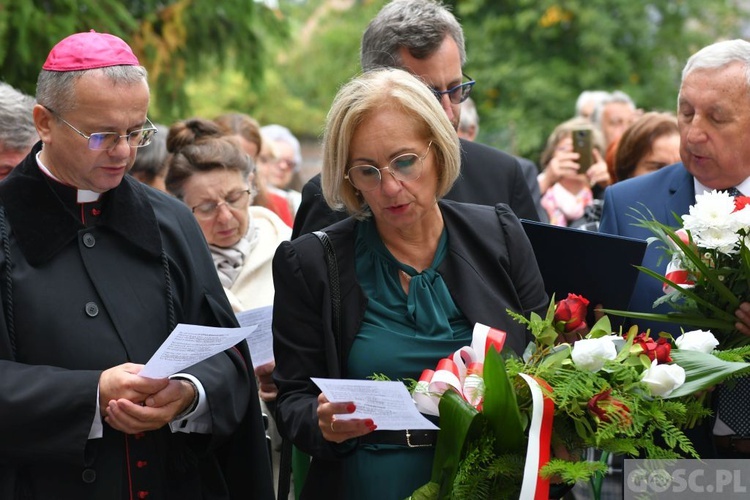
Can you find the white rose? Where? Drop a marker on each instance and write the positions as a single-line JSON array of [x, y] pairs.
[[663, 379], [697, 340], [590, 354]]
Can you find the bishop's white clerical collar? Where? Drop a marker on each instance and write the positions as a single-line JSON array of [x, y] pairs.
[[84, 195]]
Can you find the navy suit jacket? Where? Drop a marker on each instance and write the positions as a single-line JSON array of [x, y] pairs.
[[666, 192]]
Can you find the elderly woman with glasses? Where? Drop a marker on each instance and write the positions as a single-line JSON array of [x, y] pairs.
[[416, 273], [212, 175]]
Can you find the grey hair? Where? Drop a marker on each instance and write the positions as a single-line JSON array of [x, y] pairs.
[[616, 96], [469, 116], [596, 96], [282, 134], [420, 26], [17, 130], [56, 89], [718, 55]]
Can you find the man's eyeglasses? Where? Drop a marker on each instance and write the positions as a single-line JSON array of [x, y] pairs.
[[457, 94], [236, 200], [404, 168], [100, 141]]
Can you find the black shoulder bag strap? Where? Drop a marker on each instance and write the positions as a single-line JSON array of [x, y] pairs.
[[285, 461], [333, 281]]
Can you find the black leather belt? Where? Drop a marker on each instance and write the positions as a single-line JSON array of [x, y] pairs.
[[737, 444], [410, 438]]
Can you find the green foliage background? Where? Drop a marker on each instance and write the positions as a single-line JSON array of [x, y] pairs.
[[177, 40], [531, 58]]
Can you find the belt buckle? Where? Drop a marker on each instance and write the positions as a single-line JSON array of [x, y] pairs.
[[408, 442]]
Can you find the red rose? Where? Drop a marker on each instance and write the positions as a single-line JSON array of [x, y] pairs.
[[571, 312], [663, 348], [603, 406], [655, 350], [646, 343], [740, 202]]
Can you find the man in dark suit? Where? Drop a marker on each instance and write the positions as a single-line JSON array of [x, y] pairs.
[[424, 38], [713, 117], [468, 128]]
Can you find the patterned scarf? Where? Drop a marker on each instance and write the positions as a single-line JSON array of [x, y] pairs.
[[229, 260]]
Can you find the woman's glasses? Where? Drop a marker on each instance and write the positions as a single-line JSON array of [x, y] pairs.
[[236, 200], [404, 168]]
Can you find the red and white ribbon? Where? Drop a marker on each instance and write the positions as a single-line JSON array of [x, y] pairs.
[[534, 486], [461, 371], [676, 273]]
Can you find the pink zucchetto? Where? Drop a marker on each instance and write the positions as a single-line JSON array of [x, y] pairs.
[[89, 51]]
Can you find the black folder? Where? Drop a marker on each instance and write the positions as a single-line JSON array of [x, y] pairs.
[[598, 266]]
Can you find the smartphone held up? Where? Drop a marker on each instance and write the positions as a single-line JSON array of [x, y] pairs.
[[583, 145]]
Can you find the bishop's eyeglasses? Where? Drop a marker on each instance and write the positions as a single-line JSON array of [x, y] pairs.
[[101, 141]]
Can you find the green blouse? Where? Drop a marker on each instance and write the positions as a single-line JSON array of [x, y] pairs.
[[401, 335]]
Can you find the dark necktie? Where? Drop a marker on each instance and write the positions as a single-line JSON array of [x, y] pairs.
[[733, 192]]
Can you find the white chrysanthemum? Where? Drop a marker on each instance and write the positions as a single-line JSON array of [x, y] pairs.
[[711, 211], [720, 239], [712, 223]]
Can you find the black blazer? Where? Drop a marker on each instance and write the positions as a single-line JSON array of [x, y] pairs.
[[490, 266], [488, 177]]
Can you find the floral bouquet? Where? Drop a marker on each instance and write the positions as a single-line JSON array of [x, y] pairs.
[[511, 425], [708, 275]]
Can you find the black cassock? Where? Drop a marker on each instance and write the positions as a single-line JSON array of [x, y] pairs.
[[89, 286]]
